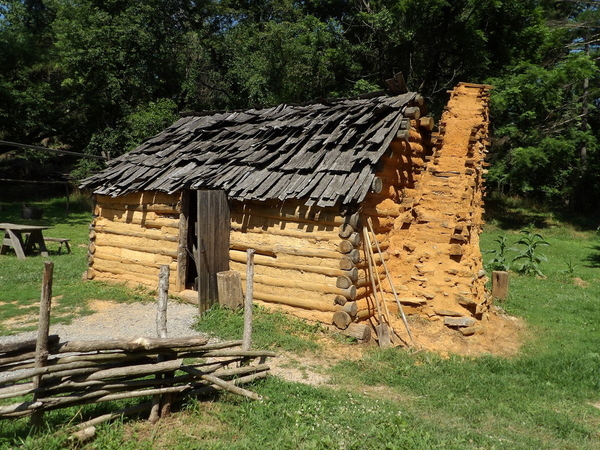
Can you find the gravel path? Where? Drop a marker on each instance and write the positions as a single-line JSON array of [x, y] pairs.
[[121, 320]]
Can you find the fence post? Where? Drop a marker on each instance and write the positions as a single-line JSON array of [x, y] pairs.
[[41, 346], [161, 404], [247, 337]]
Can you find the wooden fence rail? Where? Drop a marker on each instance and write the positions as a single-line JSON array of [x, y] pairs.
[[73, 373]]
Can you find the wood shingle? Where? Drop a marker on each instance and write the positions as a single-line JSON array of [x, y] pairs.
[[323, 152]]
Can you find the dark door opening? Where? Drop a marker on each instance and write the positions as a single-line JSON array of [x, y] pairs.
[[191, 271]]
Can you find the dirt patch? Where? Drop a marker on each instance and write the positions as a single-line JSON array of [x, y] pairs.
[[312, 368], [500, 335], [579, 282]]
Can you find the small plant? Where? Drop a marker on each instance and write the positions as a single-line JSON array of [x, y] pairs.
[[499, 260], [570, 270], [530, 254]]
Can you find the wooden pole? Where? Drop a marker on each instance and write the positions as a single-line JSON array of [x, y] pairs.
[[389, 277], [161, 331], [247, 337], [41, 348], [383, 332], [163, 295]]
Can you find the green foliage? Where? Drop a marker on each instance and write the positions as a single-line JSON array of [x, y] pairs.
[[499, 260], [570, 270], [543, 120], [529, 253], [99, 76]]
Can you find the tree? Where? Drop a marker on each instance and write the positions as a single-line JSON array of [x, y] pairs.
[[545, 147]]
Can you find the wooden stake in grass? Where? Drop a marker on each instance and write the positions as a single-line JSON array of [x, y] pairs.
[[161, 405], [41, 348], [247, 337], [500, 284]]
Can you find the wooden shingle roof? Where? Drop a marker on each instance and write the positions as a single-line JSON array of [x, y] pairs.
[[324, 153]]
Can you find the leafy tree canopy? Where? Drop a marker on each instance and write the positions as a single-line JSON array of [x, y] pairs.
[[98, 76]]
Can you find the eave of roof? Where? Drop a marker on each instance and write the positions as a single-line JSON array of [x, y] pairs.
[[322, 153]]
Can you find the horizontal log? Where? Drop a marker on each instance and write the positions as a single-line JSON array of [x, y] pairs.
[[157, 237], [346, 263], [412, 112], [340, 300], [140, 198], [376, 185], [344, 282], [137, 248], [167, 208], [402, 135], [317, 216], [129, 345], [136, 277], [353, 220], [346, 247], [238, 381], [137, 370], [341, 319], [114, 415], [113, 215], [246, 353], [231, 387], [366, 281], [349, 293], [107, 257], [296, 302], [359, 331], [379, 211], [262, 260], [315, 234], [351, 308], [92, 359], [274, 249], [427, 123], [345, 230], [23, 346]]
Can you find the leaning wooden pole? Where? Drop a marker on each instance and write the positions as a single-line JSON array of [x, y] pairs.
[[383, 333], [41, 347], [247, 337], [389, 277]]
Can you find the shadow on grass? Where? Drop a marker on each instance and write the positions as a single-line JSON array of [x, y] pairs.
[[593, 259], [509, 213], [55, 212]]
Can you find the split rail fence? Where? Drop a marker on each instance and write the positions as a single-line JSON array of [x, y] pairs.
[[53, 374]]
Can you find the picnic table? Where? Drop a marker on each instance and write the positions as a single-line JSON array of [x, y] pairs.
[[14, 234]]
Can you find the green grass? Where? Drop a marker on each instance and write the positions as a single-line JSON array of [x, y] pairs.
[[400, 399], [21, 280], [270, 330]]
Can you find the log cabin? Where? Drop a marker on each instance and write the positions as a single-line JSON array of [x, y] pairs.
[[301, 184]]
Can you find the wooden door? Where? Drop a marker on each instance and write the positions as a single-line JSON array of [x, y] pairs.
[[213, 225]]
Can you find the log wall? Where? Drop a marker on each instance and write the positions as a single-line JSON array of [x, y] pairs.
[[132, 236], [299, 251]]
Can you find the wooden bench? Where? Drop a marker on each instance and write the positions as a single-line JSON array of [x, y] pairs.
[[62, 242]]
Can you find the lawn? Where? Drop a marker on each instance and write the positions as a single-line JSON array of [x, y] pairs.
[[20, 280], [547, 397]]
